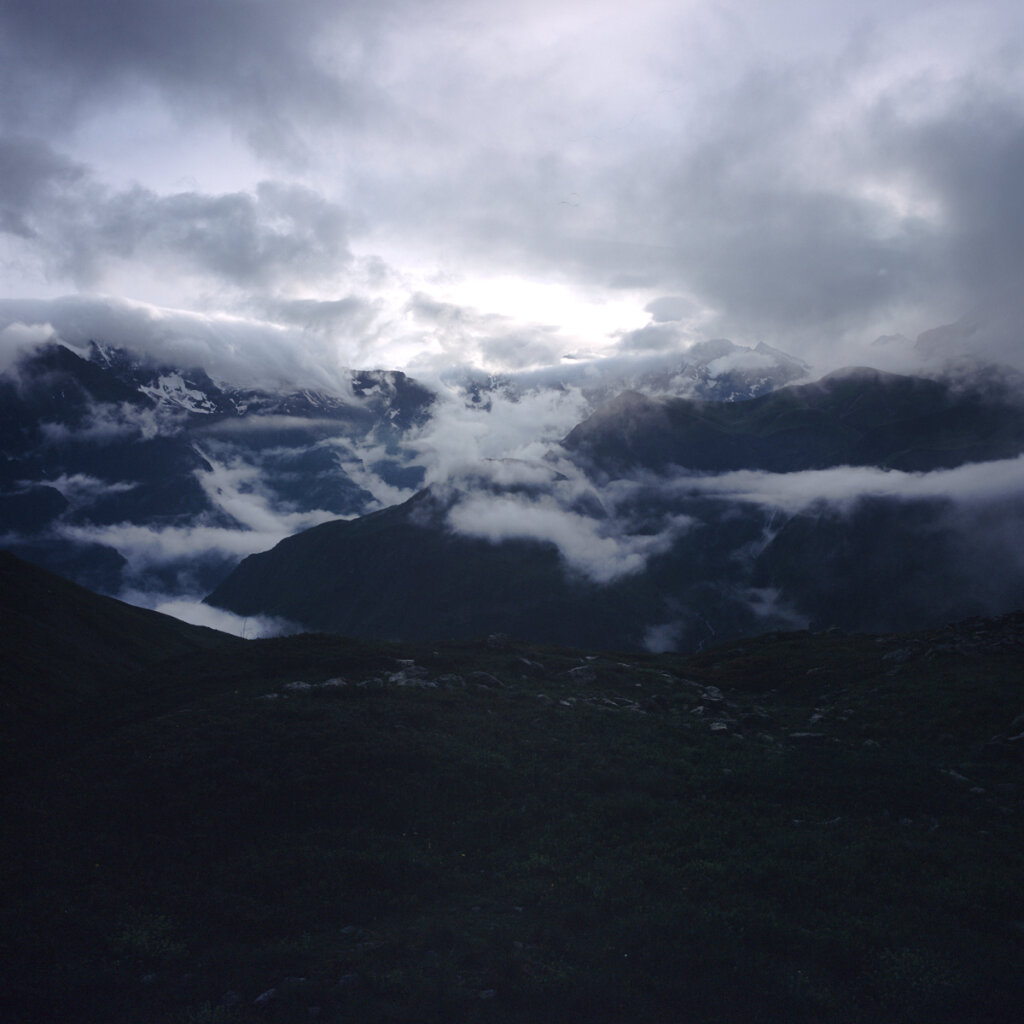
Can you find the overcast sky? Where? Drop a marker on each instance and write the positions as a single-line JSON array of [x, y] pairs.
[[416, 184]]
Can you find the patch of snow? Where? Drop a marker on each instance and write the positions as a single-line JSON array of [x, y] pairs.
[[171, 389]]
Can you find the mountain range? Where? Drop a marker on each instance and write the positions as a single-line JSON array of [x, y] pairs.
[[684, 487], [655, 504]]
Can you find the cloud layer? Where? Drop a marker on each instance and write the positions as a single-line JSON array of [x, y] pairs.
[[811, 176]]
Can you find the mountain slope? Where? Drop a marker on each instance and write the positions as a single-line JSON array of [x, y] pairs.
[[129, 443], [797, 828], [73, 658], [858, 417], [402, 573]]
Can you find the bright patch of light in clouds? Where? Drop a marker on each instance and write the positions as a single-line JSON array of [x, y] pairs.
[[581, 318]]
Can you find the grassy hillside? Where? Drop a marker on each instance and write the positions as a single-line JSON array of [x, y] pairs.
[[801, 828]]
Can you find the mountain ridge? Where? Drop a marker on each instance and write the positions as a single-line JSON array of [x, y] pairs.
[[698, 565]]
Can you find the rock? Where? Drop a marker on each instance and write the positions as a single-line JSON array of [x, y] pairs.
[[410, 674], [265, 998], [899, 656], [488, 993], [525, 667], [486, 680], [583, 674]]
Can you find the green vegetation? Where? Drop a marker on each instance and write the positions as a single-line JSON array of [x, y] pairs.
[[800, 828]]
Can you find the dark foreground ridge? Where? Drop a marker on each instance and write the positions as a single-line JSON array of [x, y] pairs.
[[799, 827]]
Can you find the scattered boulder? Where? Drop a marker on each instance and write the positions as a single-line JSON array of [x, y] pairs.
[[898, 657], [583, 674], [525, 667], [486, 680], [265, 998]]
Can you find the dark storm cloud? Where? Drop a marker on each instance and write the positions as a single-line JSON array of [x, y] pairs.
[[744, 210], [801, 177], [969, 154], [249, 239], [250, 60], [352, 313], [31, 173]]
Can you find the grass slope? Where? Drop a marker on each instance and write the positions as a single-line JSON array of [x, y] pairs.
[[800, 828]]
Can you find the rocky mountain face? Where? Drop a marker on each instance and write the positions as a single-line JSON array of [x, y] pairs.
[[104, 440], [129, 474]]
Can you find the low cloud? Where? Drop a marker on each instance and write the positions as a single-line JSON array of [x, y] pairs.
[[241, 351], [841, 486], [18, 339], [197, 613], [238, 488], [146, 547], [106, 423], [592, 547], [461, 435], [81, 489]]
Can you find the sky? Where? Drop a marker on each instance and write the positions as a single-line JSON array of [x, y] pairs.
[[515, 185]]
